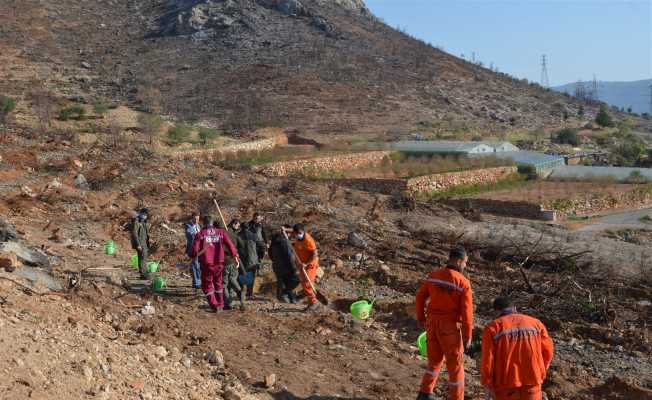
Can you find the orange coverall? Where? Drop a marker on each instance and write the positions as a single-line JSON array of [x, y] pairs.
[[305, 249], [449, 303], [516, 353]]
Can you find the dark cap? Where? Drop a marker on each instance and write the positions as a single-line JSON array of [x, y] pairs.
[[457, 253]]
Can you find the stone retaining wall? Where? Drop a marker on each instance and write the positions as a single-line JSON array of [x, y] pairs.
[[325, 164], [600, 202], [513, 209], [255, 145], [441, 182], [383, 186]]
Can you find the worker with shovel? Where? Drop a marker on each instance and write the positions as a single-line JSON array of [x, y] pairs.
[[445, 307], [516, 354], [208, 246], [305, 248]]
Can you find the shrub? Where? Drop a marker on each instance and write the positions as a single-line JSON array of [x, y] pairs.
[[603, 118], [76, 111], [528, 170], [179, 133], [636, 177], [580, 111], [100, 108], [7, 105], [476, 138], [567, 136], [206, 134]]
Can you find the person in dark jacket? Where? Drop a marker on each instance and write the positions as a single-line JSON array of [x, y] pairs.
[[192, 228], [209, 246], [140, 241], [250, 259], [255, 226], [282, 255], [232, 288]]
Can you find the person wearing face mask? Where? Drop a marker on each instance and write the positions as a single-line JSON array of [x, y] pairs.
[[140, 241], [445, 308], [305, 248], [516, 354]]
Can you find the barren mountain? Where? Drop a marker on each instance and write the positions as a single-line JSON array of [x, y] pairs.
[[315, 65]]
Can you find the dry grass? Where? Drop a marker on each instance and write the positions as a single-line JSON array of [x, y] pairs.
[[401, 166]]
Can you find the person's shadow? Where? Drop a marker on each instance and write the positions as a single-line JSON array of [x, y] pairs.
[[285, 395]]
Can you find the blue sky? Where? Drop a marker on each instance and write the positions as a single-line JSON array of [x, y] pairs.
[[612, 39]]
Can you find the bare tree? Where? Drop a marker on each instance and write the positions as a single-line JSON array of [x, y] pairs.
[[150, 98], [115, 133], [44, 104], [150, 125]]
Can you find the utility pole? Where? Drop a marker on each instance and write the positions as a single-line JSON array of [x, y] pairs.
[[544, 72], [580, 90], [594, 89]]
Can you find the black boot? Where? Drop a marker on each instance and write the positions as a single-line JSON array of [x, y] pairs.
[[425, 396], [242, 300]]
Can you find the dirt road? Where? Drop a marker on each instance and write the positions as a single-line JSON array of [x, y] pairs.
[[630, 219]]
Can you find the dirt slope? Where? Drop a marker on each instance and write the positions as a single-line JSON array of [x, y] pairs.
[[313, 65], [600, 325]]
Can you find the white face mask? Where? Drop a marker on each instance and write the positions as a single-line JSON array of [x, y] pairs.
[[300, 236]]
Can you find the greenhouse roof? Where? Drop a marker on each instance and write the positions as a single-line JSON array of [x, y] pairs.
[[529, 157], [442, 146]]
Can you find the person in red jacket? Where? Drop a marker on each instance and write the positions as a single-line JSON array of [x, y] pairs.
[[445, 307], [516, 353], [208, 245]]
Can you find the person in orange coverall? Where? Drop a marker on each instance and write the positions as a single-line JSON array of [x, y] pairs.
[[516, 353], [445, 307], [306, 249]]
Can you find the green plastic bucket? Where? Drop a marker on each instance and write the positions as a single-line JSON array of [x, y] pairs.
[[152, 267], [422, 343], [362, 309], [158, 283], [135, 261], [109, 248]]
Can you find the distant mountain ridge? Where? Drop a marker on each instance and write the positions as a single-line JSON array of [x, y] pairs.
[[316, 66], [635, 94]]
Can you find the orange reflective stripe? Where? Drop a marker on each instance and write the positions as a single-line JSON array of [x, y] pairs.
[[518, 333], [447, 284]]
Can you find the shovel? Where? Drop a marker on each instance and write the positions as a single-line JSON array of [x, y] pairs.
[[320, 296]]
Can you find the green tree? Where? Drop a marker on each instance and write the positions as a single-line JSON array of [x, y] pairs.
[[580, 111], [603, 118], [567, 136], [7, 105], [179, 133], [630, 151], [207, 134], [629, 109], [75, 111]]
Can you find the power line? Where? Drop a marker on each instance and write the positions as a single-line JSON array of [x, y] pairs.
[[544, 72]]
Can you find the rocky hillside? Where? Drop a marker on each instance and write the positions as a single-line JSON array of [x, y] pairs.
[[314, 65]]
